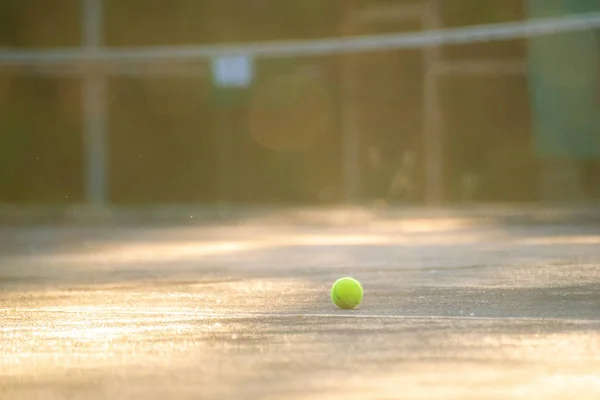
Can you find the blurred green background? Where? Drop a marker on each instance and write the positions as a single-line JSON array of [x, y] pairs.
[[284, 141]]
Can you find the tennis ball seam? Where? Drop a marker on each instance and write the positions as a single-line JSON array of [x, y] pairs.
[[338, 298]]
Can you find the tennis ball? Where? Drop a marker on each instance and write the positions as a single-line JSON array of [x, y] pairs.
[[346, 293]]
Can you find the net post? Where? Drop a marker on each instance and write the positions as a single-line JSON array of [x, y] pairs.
[[433, 149], [350, 136], [94, 107]]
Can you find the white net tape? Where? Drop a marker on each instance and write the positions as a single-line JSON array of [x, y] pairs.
[[330, 46]]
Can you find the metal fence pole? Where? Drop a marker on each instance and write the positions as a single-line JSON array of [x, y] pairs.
[[94, 107], [433, 146]]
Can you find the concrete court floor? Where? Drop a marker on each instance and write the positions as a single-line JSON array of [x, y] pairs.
[[469, 306]]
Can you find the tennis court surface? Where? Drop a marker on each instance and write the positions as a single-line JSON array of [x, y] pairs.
[[462, 304]]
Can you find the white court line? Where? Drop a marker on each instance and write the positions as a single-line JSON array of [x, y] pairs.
[[192, 315]]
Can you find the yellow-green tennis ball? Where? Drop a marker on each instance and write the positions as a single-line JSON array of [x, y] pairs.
[[346, 293]]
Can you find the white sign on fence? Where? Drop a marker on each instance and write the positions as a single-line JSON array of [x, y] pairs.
[[233, 71]]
